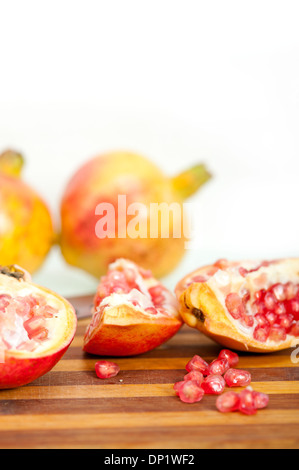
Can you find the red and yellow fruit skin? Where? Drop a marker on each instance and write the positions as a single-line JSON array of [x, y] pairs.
[[200, 309], [20, 369], [102, 179], [26, 227], [125, 331]]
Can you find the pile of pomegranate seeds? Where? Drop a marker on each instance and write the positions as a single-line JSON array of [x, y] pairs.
[[273, 312], [204, 378], [106, 369], [23, 321]]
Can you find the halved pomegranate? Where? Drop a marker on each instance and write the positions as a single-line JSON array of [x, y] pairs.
[[36, 328], [248, 305], [132, 313]]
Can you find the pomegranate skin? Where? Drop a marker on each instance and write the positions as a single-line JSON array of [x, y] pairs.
[[22, 367], [101, 180], [27, 230]]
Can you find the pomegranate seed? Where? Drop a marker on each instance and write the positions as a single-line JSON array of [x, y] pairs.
[[197, 363], [234, 305], [295, 330], [245, 296], [190, 392], [106, 369], [261, 333], [270, 301], [286, 321], [293, 307], [228, 402], [261, 319], [277, 334], [243, 271], [247, 321], [279, 292], [218, 367], [280, 308], [230, 356], [194, 375], [247, 402], [177, 387], [35, 326], [260, 400], [271, 317], [290, 290], [260, 294], [259, 307], [237, 378], [213, 385], [199, 279]]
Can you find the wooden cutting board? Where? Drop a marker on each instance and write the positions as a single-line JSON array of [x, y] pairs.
[[71, 408]]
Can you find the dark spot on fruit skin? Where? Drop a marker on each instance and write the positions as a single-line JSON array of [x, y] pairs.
[[12, 271], [198, 314]]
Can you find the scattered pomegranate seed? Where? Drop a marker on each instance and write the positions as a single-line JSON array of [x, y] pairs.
[[218, 367], [228, 402], [247, 402], [234, 305], [260, 400], [194, 375], [106, 369], [213, 385], [190, 391], [177, 387], [230, 356], [237, 378], [197, 363]]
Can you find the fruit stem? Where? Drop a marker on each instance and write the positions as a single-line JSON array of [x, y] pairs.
[[11, 163], [188, 182]]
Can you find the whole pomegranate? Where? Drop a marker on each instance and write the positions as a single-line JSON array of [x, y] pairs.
[[26, 228], [124, 180]]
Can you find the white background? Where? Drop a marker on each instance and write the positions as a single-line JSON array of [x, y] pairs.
[[177, 81]]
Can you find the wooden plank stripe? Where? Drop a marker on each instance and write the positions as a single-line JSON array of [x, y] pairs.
[[273, 436], [144, 420], [129, 404], [146, 363], [126, 390]]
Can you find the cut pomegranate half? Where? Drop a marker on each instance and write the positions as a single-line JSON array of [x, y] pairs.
[[36, 328], [244, 305], [132, 313]]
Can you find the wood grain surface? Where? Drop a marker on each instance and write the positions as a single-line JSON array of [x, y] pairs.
[[71, 408]]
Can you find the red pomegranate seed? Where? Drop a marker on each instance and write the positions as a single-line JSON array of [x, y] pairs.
[[35, 326], [197, 363], [270, 301], [261, 333], [286, 320], [247, 321], [228, 402], [260, 400], [218, 367], [213, 385], [245, 296], [293, 307], [271, 317], [199, 279], [277, 334], [190, 391], [247, 402], [261, 319], [230, 356], [106, 369], [243, 271], [279, 292], [290, 290], [177, 387], [280, 308], [234, 305], [237, 378], [295, 330], [194, 375], [260, 294]]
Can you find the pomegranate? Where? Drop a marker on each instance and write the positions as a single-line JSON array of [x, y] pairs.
[[132, 313], [36, 328], [26, 227], [106, 369], [249, 306], [102, 180]]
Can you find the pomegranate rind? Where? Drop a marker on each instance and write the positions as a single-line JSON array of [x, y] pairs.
[[22, 367], [201, 309], [125, 331]]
